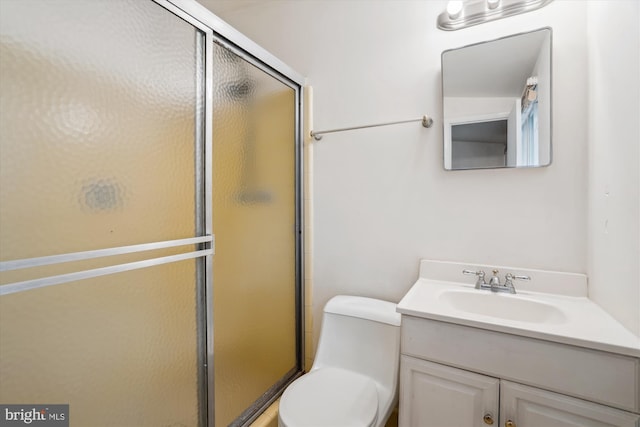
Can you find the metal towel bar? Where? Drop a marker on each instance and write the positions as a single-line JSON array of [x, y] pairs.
[[426, 122]]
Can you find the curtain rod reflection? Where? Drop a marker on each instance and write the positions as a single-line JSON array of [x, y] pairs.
[[426, 122]]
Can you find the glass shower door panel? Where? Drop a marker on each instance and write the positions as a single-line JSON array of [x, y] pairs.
[[97, 124], [101, 111], [119, 349], [254, 223]]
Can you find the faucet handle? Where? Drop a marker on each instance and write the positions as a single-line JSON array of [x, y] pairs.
[[509, 277], [508, 281], [480, 273]]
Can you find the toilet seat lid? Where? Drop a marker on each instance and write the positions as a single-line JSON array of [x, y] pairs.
[[330, 397]]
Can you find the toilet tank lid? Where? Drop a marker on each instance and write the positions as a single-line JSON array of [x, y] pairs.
[[364, 308]]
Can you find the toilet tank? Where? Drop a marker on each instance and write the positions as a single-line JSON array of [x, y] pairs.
[[361, 335]]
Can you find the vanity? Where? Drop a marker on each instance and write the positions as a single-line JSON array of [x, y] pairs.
[[545, 356]]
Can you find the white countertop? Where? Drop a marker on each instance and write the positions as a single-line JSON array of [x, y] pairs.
[[585, 324]]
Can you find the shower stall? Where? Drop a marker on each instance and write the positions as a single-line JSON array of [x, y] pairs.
[[150, 214]]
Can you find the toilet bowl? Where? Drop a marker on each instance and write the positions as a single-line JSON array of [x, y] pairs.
[[354, 378]]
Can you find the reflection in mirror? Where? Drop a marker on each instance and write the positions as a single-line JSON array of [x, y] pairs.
[[497, 103]]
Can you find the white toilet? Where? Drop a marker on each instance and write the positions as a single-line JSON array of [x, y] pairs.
[[354, 378]]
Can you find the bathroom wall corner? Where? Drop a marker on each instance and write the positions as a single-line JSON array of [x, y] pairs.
[[614, 159]]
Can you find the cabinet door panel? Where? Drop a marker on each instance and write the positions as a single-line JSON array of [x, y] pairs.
[[597, 376], [434, 395], [532, 407]]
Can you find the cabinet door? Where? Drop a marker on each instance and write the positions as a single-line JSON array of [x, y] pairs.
[[434, 395], [531, 407]]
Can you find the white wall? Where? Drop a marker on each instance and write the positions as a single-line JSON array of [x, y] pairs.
[[614, 159], [459, 108], [382, 198]]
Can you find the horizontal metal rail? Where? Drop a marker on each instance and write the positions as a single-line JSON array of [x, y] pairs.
[[28, 285], [426, 122], [98, 253]]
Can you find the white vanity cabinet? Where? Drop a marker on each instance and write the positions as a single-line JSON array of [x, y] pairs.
[[437, 395], [461, 376], [525, 406]]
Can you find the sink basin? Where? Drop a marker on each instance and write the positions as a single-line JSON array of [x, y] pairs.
[[511, 307], [566, 317]]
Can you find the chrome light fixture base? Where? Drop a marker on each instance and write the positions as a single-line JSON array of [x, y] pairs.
[[481, 11]]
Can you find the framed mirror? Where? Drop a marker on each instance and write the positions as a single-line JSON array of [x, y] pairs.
[[496, 99]]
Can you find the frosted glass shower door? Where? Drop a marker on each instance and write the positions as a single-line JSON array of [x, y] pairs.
[[254, 220], [103, 235]]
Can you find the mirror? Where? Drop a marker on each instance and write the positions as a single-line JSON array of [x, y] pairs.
[[496, 99]]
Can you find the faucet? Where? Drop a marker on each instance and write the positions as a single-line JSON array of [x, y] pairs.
[[508, 282], [494, 282], [480, 283]]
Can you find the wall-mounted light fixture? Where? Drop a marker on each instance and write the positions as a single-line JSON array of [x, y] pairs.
[[462, 14]]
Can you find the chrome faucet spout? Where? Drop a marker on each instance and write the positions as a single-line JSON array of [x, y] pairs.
[[494, 282]]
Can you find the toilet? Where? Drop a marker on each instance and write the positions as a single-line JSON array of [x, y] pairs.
[[354, 378]]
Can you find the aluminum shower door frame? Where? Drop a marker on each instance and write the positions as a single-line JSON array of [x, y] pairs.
[[219, 31]]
